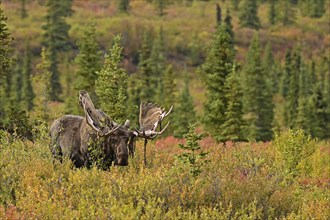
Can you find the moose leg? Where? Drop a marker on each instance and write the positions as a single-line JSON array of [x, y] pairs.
[[145, 151]]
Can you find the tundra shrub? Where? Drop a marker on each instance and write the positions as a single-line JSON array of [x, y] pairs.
[[293, 146]]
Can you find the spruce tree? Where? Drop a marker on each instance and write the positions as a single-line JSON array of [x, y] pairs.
[[258, 106], [23, 11], [249, 14], [235, 4], [269, 65], [6, 60], [88, 61], [218, 65], [218, 14], [233, 125], [313, 8], [285, 81], [229, 26], [288, 14], [272, 12], [193, 155], [70, 105], [169, 88], [133, 100], [326, 91], [111, 84], [305, 84], [56, 28], [291, 102], [303, 120], [321, 115], [6, 49], [157, 67], [56, 39], [161, 5], [123, 6], [184, 111], [17, 82], [42, 77], [145, 80], [27, 91]]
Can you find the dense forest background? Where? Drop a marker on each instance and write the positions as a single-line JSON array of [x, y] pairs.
[[252, 75]]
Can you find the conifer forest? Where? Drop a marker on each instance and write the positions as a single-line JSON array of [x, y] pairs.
[[165, 109]]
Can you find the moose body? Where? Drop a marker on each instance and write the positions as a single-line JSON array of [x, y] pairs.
[[72, 136]]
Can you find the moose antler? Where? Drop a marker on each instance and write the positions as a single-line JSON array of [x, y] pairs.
[[150, 116], [97, 119]]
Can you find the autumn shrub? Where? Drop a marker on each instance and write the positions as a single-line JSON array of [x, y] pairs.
[[293, 146], [240, 181]]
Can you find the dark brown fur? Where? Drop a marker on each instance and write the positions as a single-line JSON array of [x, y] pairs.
[[71, 136]]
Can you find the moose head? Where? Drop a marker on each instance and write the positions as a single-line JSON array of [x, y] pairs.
[[72, 136]]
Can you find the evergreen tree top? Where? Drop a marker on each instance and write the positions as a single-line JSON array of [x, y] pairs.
[[111, 84], [5, 48]]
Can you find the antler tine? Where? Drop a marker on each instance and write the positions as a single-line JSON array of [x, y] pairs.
[[149, 134], [169, 111], [112, 130]]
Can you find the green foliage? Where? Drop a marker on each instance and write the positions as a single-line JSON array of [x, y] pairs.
[[5, 49], [193, 156], [160, 6], [235, 4], [123, 5], [272, 12], [23, 11], [285, 81], [249, 14], [293, 146], [184, 112], [168, 88], [18, 122], [96, 154], [213, 72], [320, 112], [304, 114], [293, 92], [56, 39], [56, 29], [111, 84], [158, 68], [313, 8], [229, 26], [43, 78], [17, 82], [27, 91], [288, 13], [258, 105], [133, 99], [6, 61], [88, 61], [272, 71], [233, 125], [144, 82], [218, 14]]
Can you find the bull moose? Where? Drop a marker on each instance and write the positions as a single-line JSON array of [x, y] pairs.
[[72, 136]]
